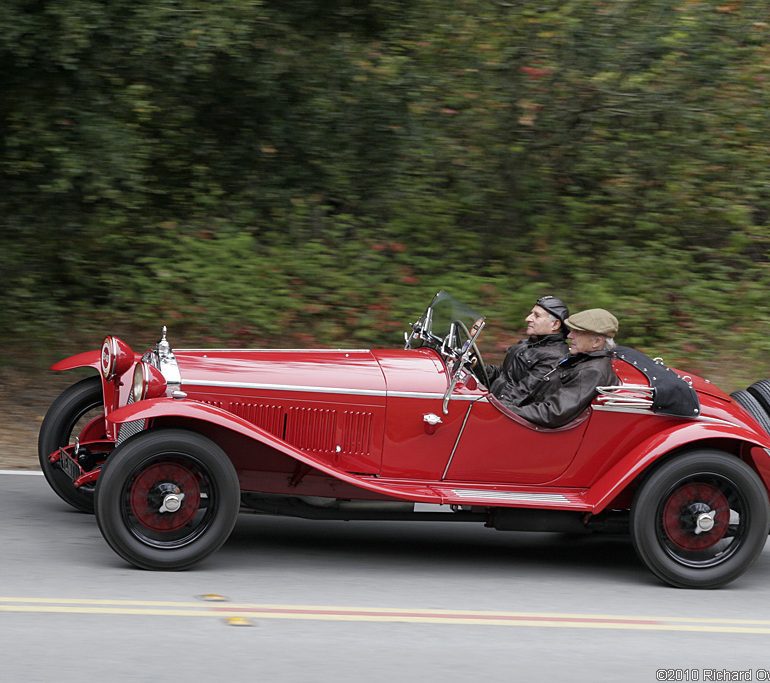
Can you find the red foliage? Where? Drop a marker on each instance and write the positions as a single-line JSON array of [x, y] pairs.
[[535, 71]]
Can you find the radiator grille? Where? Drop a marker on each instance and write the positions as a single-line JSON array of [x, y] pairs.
[[129, 429]]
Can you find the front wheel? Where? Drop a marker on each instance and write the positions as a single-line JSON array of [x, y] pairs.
[[77, 412], [168, 499], [700, 520]]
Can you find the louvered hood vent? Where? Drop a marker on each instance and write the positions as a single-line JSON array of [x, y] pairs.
[[316, 430]]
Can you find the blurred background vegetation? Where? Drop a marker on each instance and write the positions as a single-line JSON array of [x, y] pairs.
[[264, 172]]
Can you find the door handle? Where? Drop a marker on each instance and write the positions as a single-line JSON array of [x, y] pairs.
[[432, 421]]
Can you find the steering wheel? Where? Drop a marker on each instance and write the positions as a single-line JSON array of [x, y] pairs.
[[476, 362]]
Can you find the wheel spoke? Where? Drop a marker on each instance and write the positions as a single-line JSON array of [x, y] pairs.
[[701, 521], [168, 503]]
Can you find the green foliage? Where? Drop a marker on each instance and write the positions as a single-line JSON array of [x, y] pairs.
[[265, 172]]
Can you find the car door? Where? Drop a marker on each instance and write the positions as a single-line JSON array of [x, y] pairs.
[[417, 380], [499, 447]]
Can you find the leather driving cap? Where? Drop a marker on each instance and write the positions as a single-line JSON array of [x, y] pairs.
[[595, 320], [554, 306]]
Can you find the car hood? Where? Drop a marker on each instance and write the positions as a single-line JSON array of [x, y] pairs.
[[345, 369]]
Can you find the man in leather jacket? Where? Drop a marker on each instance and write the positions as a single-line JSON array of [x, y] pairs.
[[528, 361], [565, 392]]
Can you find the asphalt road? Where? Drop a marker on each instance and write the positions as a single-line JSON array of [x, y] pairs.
[[366, 601]]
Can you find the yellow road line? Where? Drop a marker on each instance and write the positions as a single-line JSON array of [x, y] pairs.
[[237, 607], [380, 614]]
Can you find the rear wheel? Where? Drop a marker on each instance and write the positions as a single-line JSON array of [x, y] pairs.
[[168, 499], [78, 408], [761, 391], [700, 520], [748, 401]]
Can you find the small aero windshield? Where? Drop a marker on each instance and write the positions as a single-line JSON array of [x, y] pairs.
[[444, 325]]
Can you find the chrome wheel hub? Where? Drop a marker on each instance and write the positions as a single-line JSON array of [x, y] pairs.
[[172, 502], [705, 522]]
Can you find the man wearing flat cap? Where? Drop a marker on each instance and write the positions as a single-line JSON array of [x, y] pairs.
[[527, 362], [565, 392]]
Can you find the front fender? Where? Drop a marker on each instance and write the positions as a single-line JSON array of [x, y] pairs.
[[193, 410], [618, 477], [87, 359]]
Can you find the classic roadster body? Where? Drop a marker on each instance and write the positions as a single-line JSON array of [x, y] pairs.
[[168, 447]]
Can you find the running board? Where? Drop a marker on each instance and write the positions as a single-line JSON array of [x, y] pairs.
[[557, 500], [495, 496], [512, 496]]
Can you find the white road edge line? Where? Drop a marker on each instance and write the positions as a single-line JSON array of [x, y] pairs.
[[36, 473]]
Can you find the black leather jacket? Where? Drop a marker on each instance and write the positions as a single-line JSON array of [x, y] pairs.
[[567, 391], [525, 364]]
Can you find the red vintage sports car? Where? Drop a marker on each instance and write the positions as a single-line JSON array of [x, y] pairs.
[[169, 446]]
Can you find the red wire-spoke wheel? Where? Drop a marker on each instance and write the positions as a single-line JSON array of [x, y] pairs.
[[167, 499], [696, 516], [700, 519], [165, 496]]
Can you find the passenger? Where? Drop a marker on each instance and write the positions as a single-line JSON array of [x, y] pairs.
[[565, 392], [527, 362]]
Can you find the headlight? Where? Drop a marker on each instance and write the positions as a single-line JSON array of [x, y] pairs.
[[148, 382], [117, 357]]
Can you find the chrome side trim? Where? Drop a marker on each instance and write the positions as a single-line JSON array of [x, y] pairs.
[[512, 495], [418, 394], [457, 442], [275, 350], [323, 390], [285, 387]]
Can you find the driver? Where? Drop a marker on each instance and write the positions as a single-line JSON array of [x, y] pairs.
[[528, 361], [569, 388]]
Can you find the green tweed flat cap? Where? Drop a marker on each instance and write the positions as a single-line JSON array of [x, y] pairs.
[[595, 320]]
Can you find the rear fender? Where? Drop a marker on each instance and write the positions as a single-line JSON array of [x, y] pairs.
[[194, 411], [647, 453]]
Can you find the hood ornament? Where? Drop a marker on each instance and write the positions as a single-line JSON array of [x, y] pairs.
[[163, 346], [167, 364]]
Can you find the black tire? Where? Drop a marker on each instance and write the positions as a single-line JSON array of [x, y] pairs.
[[761, 391], [667, 509], [134, 489], [59, 429], [753, 407]]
